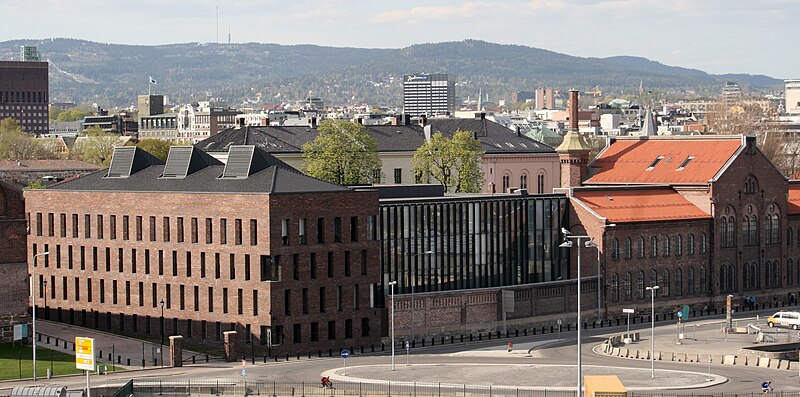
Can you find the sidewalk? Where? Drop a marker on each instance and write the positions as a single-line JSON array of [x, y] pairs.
[[123, 351]]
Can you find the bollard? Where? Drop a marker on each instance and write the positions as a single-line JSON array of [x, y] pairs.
[[129, 361], [525, 331], [330, 352], [309, 354], [276, 358], [442, 341], [193, 360], [206, 357], [480, 337], [516, 332], [298, 356], [287, 356], [551, 329], [462, 338], [470, 337], [534, 331], [253, 359], [451, 339], [372, 346], [319, 353], [423, 342], [142, 363]]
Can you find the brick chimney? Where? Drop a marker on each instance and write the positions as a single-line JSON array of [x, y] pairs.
[[573, 151]]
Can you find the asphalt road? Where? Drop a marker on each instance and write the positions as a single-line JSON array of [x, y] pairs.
[[549, 350]]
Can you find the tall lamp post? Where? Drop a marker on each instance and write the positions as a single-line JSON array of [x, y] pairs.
[[161, 348], [33, 322], [568, 244], [652, 290], [391, 287], [600, 275]]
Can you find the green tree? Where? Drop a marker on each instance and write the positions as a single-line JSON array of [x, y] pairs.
[[95, 147], [454, 162], [156, 147], [16, 144], [343, 153], [35, 184]]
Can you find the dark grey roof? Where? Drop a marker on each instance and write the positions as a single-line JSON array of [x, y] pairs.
[[495, 139], [185, 160], [273, 139], [270, 177]]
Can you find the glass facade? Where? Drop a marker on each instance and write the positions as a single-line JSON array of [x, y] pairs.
[[454, 243]]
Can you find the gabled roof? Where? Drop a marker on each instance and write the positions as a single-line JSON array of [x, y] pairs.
[[639, 204], [793, 205], [495, 139], [663, 160], [273, 139]]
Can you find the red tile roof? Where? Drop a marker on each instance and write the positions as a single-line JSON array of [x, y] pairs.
[[793, 206], [634, 160], [639, 205]]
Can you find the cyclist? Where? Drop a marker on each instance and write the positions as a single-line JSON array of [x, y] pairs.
[[326, 382], [766, 387]]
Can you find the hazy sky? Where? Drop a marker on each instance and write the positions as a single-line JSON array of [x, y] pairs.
[[717, 36]]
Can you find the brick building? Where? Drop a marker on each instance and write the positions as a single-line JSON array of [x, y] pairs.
[[288, 261], [13, 271], [24, 94]]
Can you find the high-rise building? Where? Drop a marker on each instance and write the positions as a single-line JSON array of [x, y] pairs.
[[792, 96], [149, 105], [731, 93], [428, 94], [29, 53], [545, 98], [24, 94]]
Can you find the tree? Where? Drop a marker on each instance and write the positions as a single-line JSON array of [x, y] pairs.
[[342, 153], [96, 147], [454, 162], [156, 147], [35, 184], [15, 144]]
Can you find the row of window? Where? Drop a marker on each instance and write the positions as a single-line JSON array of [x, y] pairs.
[[272, 336], [302, 230], [667, 286], [669, 245], [269, 266], [751, 276], [23, 96], [749, 228], [123, 294]]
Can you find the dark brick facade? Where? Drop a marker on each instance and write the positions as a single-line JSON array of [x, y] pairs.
[[114, 274], [13, 271], [24, 94]]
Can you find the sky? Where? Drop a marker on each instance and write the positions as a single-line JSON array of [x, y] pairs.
[[716, 36]]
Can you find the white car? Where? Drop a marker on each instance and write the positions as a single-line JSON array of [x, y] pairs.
[[786, 319]]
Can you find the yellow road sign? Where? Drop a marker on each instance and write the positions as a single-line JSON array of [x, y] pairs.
[[84, 353]]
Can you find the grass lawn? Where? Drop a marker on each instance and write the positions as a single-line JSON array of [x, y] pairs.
[[12, 358]]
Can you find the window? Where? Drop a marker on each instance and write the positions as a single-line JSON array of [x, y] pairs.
[[182, 297], [211, 299], [398, 176], [376, 176], [188, 264], [314, 332], [225, 300], [320, 230], [653, 246], [331, 330], [270, 268], [322, 299], [285, 232], [63, 225], [202, 265], [295, 267], [523, 181], [614, 248], [365, 326], [287, 302], [640, 247], [166, 229], [628, 286], [304, 299], [654, 163], [506, 182], [666, 246], [363, 262], [253, 232], [703, 243], [193, 230], [87, 226], [690, 281], [372, 231], [678, 289], [209, 231], [615, 287], [313, 265], [232, 266], [703, 280], [247, 267], [237, 231], [355, 297], [152, 228], [240, 301], [789, 237], [640, 285], [665, 290], [347, 264], [138, 228], [51, 227], [627, 249], [196, 297], [685, 163], [330, 264], [348, 328], [339, 298], [337, 229], [789, 268], [75, 225], [678, 245], [217, 265], [301, 227], [750, 185], [223, 231], [353, 229], [690, 244], [540, 183]]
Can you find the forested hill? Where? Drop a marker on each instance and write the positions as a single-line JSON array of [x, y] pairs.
[[113, 74]]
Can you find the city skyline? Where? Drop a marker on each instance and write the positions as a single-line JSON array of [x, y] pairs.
[[710, 36]]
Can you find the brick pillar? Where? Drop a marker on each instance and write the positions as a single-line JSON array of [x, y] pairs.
[[230, 345], [176, 350]]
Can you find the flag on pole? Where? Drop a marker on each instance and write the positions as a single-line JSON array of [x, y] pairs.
[[152, 80]]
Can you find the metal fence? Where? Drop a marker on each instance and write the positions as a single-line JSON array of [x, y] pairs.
[[143, 388]]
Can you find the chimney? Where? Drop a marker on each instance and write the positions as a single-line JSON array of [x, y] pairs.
[[573, 109], [427, 130], [312, 122], [480, 115], [422, 120], [397, 120], [516, 128], [491, 188], [240, 122], [265, 121], [406, 119]]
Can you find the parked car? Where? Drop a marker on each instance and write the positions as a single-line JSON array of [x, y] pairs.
[[785, 319]]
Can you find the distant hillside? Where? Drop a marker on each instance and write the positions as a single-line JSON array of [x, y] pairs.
[[113, 74]]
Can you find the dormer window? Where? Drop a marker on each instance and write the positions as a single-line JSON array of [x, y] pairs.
[[655, 162], [685, 163], [750, 185]]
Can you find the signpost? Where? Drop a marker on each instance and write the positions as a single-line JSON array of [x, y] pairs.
[[244, 368], [408, 352], [559, 328], [628, 323], [84, 358], [345, 354], [678, 328]]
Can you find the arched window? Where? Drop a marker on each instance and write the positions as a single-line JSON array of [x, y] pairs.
[[789, 271], [775, 229], [506, 182], [752, 238], [703, 280], [614, 248], [666, 246], [690, 244], [628, 286], [746, 230], [653, 278], [678, 245], [776, 274], [703, 243], [732, 284], [665, 282], [723, 280], [723, 232], [615, 287], [789, 237], [750, 184], [640, 285], [690, 281], [540, 182], [627, 248], [678, 282], [755, 281], [731, 232], [640, 247], [653, 246], [523, 181]]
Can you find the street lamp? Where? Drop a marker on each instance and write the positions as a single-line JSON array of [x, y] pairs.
[[652, 290], [161, 348], [568, 244], [413, 282], [33, 292], [599, 274], [391, 287]]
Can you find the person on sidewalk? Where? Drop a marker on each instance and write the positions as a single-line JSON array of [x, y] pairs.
[[766, 387]]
